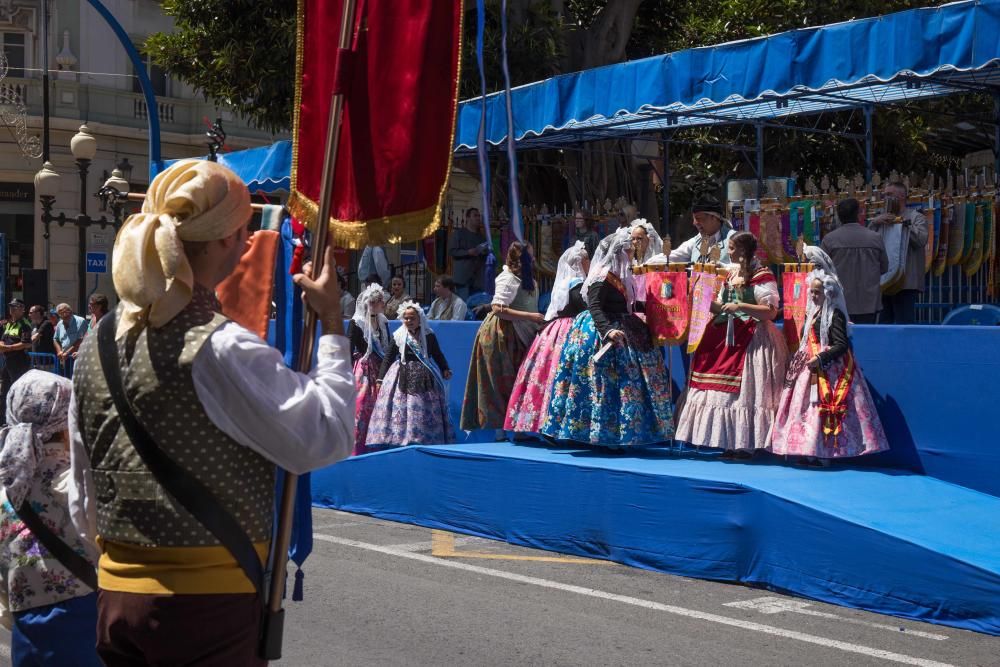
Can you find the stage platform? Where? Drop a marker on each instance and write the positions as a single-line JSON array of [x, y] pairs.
[[882, 540]]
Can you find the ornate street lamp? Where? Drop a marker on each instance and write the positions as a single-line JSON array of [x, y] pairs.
[[113, 194]]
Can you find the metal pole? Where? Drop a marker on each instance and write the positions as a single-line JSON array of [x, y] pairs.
[[274, 620], [45, 82], [996, 139], [81, 227], [665, 181], [869, 111], [760, 161]]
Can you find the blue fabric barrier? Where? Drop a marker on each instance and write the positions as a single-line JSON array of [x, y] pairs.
[[933, 387], [879, 540]]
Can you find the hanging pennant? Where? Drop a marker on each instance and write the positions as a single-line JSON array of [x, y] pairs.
[[667, 309], [705, 284], [795, 290]]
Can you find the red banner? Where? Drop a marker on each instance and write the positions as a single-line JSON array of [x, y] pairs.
[[400, 81], [667, 310], [796, 297], [704, 287]]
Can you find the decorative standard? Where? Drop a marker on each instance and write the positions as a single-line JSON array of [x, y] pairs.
[[113, 195]]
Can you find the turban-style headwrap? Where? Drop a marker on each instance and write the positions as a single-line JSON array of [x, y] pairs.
[[37, 409], [193, 200]]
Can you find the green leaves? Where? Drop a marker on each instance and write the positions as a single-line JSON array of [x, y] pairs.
[[240, 52]]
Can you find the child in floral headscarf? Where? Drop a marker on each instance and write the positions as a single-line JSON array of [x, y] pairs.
[[51, 614]]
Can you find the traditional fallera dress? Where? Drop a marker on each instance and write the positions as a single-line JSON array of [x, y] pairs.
[[497, 353], [621, 399], [529, 402], [412, 404], [367, 362], [737, 373], [828, 413]]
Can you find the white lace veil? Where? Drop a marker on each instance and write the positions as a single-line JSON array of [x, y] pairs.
[[362, 315], [818, 256], [614, 259], [834, 293], [570, 268], [402, 334], [655, 242]]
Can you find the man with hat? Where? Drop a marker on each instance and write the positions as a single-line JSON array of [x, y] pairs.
[[15, 345], [710, 242], [209, 402]]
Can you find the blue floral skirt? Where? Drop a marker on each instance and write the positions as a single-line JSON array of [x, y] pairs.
[[621, 400]]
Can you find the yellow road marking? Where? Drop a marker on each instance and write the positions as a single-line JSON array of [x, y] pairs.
[[443, 546]]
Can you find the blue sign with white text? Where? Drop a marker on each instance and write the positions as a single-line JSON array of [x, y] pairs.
[[97, 262]]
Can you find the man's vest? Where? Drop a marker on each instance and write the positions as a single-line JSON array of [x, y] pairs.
[[132, 508]]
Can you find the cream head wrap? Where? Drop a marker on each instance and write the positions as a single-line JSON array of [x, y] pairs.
[[193, 200]]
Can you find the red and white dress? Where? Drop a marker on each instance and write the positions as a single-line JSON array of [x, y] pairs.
[[735, 384]]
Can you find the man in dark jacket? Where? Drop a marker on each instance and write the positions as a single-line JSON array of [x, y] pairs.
[[860, 257]]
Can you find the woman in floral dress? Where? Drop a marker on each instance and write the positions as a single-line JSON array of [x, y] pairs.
[[529, 402], [412, 403], [611, 386], [739, 366], [826, 411], [369, 336], [52, 615], [501, 343]]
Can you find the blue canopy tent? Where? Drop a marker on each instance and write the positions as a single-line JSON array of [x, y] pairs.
[[910, 55], [266, 169]]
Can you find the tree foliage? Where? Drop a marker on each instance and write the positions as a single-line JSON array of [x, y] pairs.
[[239, 52]]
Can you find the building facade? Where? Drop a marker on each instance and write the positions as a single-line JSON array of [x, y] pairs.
[[92, 81]]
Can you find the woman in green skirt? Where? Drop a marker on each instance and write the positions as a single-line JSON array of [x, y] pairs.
[[501, 343]]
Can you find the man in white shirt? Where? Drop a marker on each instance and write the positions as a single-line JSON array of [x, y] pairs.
[[218, 402], [713, 230], [447, 305]]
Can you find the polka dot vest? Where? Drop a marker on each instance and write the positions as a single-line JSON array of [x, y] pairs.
[[132, 507]]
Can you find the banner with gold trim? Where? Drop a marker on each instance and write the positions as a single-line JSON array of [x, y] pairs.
[[400, 82], [796, 298], [705, 284], [667, 307]]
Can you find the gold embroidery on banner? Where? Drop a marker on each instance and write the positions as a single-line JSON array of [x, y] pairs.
[[354, 234]]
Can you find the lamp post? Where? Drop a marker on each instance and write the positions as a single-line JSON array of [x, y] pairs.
[[114, 193]]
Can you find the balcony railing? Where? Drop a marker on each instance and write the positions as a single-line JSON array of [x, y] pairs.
[[166, 110]]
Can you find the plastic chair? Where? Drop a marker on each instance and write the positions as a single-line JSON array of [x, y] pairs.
[[478, 299], [977, 314]]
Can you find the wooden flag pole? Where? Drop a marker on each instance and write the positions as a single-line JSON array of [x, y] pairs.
[[274, 619]]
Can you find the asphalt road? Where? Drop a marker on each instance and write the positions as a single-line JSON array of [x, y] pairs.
[[383, 593]]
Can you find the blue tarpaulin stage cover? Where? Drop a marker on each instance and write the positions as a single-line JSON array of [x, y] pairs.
[[918, 537], [903, 56], [887, 542], [265, 169], [934, 387]]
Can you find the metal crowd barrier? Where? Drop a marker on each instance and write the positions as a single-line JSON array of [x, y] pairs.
[[46, 361]]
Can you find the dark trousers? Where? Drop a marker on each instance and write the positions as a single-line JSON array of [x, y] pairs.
[[12, 370], [205, 630], [867, 318], [899, 308]]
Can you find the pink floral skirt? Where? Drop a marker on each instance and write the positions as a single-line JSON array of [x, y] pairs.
[[365, 377], [529, 402], [798, 427]]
